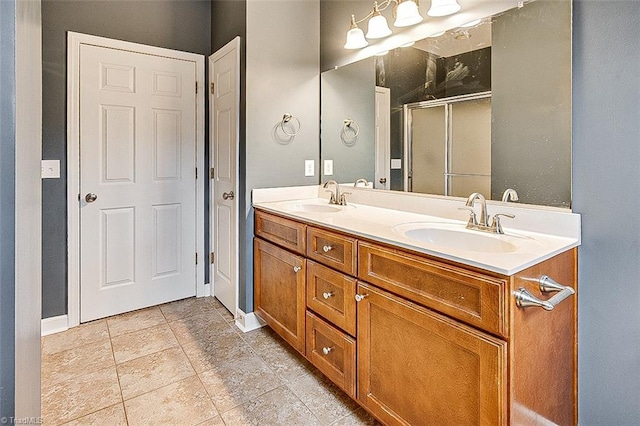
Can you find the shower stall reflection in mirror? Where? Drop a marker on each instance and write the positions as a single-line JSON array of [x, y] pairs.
[[447, 146]]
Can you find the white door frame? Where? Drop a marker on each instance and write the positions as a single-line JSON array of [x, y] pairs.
[[229, 47], [74, 40]]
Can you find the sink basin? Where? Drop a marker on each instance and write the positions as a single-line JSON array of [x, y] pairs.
[[457, 237], [312, 208]]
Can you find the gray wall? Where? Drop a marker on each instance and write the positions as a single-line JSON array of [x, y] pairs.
[[7, 211], [531, 130], [349, 93], [174, 24], [606, 191], [283, 39]]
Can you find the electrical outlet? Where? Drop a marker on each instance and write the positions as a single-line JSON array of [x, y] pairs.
[[328, 167], [50, 169], [396, 163], [309, 167]]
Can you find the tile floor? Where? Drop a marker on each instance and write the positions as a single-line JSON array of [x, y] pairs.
[[184, 363]]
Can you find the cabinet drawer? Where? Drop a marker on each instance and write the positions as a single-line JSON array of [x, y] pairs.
[[334, 250], [331, 295], [469, 296], [333, 352], [284, 232]]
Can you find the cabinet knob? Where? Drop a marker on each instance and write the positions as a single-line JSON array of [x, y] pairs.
[[327, 249], [296, 269], [326, 350], [327, 295], [360, 297]]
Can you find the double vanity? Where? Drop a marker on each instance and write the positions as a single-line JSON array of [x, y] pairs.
[[418, 318]]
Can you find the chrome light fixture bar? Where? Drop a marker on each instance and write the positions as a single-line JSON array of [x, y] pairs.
[[405, 12]]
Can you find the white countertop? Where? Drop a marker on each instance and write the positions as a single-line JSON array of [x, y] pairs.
[[536, 234]]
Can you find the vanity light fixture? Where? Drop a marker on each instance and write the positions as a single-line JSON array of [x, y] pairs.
[[443, 7], [378, 27], [405, 12], [355, 36]]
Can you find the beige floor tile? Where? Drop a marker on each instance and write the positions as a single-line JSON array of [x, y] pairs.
[[237, 381], [192, 329], [207, 353], [142, 342], [110, 416], [360, 417], [328, 402], [188, 307], [181, 403], [153, 371], [134, 321], [281, 357], [91, 332], [65, 365], [277, 407], [216, 421], [82, 395]]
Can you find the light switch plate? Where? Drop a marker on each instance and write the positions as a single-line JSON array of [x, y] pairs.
[[328, 167], [396, 163], [50, 169], [309, 167]]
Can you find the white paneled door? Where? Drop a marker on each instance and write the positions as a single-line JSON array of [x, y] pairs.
[[137, 180], [224, 101]]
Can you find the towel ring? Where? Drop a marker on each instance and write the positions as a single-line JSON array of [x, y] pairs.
[[286, 118], [350, 132]]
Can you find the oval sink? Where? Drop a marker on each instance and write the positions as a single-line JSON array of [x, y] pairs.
[[312, 208], [448, 235]]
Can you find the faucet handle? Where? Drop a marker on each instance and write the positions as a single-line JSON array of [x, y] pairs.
[[332, 199], [473, 220], [343, 199], [495, 223]]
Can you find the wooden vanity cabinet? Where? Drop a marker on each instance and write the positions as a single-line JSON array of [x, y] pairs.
[[430, 342]]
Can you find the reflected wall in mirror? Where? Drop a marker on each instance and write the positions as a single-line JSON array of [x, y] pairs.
[[478, 109]]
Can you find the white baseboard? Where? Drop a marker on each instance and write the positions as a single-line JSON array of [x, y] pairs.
[[54, 325], [248, 322]]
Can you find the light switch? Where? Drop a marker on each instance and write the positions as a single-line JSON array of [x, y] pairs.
[[396, 163], [309, 167], [50, 169], [328, 167]]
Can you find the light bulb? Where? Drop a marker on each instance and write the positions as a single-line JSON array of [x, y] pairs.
[[355, 36], [378, 26]]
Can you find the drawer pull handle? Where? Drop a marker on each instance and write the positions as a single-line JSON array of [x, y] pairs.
[[524, 298], [327, 295], [326, 350], [296, 269], [327, 249], [360, 297]]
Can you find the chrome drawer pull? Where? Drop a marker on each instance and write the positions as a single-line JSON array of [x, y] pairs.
[[296, 269], [327, 295], [525, 299], [327, 249], [326, 350], [360, 297]]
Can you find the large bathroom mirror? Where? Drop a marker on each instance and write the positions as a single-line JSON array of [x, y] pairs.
[[480, 108]]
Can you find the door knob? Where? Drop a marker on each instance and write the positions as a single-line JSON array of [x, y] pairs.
[[90, 197], [383, 180], [227, 195]]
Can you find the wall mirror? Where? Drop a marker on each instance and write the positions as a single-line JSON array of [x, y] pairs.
[[480, 108]]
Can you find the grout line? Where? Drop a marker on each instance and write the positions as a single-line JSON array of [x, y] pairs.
[[113, 354]]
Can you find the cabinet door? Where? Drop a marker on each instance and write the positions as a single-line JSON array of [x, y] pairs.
[[416, 367], [279, 291]]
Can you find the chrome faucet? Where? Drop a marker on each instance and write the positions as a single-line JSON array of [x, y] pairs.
[[361, 180], [336, 196], [482, 224], [509, 194]]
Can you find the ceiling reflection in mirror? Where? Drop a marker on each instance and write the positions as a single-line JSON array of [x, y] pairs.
[[481, 108]]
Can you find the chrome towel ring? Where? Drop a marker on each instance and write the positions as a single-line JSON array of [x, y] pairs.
[[290, 119]]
